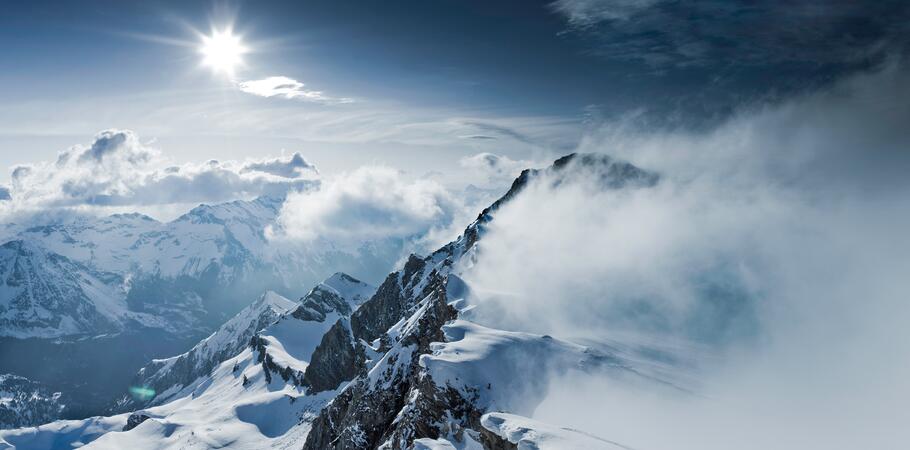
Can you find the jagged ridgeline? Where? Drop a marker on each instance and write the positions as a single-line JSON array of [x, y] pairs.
[[406, 391]]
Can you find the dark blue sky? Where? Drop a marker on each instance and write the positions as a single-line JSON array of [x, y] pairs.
[[516, 71]]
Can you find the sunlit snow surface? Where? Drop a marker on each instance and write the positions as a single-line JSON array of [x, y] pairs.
[[219, 413]]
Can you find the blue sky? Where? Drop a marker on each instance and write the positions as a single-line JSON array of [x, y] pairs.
[[431, 82]]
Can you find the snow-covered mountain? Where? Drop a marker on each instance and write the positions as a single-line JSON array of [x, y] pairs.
[[24, 402], [116, 292], [164, 379], [412, 367], [87, 275], [434, 375], [254, 398]]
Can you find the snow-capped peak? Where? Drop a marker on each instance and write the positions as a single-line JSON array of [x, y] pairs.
[[349, 288], [275, 301]]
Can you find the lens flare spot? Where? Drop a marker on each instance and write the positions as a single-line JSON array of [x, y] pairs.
[[142, 392]]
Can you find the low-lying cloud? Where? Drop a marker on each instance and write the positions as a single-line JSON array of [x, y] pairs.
[[118, 170], [497, 168], [775, 240], [368, 204]]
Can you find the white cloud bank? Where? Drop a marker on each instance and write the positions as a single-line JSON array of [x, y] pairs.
[[777, 240], [497, 168], [372, 203], [117, 170], [284, 87]]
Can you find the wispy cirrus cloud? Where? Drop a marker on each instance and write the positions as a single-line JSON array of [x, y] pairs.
[[590, 12], [289, 88]]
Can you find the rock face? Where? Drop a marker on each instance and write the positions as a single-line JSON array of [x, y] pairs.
[[362, 415], [336, 359], [340, 293], [389, 303], [25, 403]]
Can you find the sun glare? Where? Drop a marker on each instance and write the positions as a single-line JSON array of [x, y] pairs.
[[222, 51]]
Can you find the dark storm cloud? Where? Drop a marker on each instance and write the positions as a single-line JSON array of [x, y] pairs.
[[720, 33]]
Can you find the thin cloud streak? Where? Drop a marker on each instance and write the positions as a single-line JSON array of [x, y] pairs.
[[289, 88]]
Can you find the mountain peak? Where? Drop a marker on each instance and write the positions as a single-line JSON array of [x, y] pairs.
[[339, 293], [612, 173], [276, 301]]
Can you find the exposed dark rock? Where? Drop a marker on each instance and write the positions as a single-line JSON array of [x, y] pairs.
[[319, 303], [269, 366], [362, 415], [134, 420], [335, 360], [492, 441], [388, 305]]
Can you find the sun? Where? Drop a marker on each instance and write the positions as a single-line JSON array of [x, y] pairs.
[[222, 51]]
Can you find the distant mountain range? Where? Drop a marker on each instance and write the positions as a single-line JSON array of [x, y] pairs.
[[89, 276], [87, 301]]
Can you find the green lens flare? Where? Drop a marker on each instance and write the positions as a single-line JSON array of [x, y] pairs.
[[142, 393]]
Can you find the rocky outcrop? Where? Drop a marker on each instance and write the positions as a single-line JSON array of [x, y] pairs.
[[270, 367], [362, 416], [389, 303], [336, 359], [134, 420]]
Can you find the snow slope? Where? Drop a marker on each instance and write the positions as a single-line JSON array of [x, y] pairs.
[[529, 434], [276, 320], [254, 399], [166, 377]]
